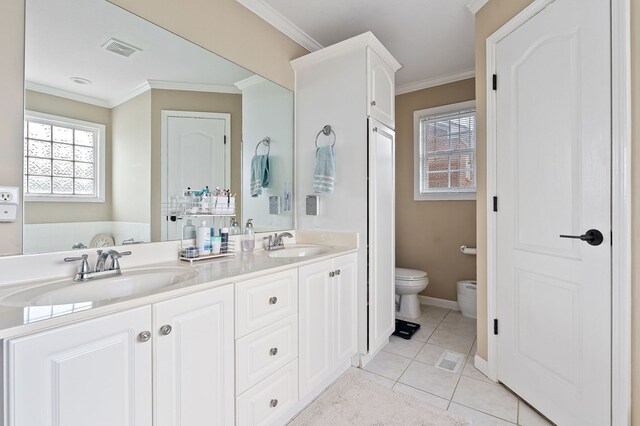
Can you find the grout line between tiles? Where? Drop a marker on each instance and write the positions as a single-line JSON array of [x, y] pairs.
[[484, 412]]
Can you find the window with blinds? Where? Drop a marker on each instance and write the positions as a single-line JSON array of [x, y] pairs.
[[445, 151], [62, 159]]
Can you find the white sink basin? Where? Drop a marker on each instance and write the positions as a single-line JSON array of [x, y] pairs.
[[299, 250], [130, 283]]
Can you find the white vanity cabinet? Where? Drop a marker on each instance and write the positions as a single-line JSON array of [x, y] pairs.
[[351, 87], [102, 371], [327, 320], [266, 348], [96, 372], [194, 360]]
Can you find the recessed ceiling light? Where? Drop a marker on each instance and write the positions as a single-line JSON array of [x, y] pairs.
[[81, 80]]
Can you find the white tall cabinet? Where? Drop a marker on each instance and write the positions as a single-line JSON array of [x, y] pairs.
[[350, 86]]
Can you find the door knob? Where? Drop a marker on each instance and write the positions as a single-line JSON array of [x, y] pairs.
[[592, 236]]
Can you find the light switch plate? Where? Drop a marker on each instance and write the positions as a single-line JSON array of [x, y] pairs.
[[312, 205], [274, 204]]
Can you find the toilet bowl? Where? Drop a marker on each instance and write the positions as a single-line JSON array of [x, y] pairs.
[[409, 282]]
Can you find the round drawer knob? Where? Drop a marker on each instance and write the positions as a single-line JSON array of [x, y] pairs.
[[165, 329], [144, 336], [373, 103], [273, 300], [273, 351], [338, 272], [273, 402], [332, 274]]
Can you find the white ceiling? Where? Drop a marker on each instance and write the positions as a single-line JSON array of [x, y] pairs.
[[432, 39], [64, 39]]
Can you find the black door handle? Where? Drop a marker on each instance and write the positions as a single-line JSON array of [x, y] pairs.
[[592, 236]]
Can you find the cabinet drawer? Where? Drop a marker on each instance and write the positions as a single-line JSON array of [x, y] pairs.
[[262, 353], [270, 399], [263, 301]]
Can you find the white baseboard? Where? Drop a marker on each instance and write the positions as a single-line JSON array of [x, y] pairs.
[[441, 303], [482, 366]]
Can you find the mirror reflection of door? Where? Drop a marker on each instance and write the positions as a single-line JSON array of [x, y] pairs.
[[196, 151]]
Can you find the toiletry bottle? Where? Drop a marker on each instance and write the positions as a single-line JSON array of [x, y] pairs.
[[216, 242], [235, 227], [249, 237], [203, 238], [224, 240], [189, 231]]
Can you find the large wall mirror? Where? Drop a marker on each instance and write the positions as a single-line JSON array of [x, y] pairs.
[[127, 125]]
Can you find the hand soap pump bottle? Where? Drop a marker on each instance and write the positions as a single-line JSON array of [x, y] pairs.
[[235, 227], [249, 237]]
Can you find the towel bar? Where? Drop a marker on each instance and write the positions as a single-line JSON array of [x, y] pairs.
[[326, 130], [267, 142]]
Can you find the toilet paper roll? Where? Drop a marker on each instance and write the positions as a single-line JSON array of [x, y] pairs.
[[468, 250]]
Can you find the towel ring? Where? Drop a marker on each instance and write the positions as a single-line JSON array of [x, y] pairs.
[[326, 130], [267, 142]]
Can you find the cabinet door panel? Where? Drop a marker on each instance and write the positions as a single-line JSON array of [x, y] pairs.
[[382, 95], [316, 325], [345, 305], [91, 373], [194, 362], [381, 235]]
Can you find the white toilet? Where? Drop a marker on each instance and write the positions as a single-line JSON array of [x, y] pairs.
[[409, 282]]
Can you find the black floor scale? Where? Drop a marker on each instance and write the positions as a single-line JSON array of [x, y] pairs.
[[405, 329]]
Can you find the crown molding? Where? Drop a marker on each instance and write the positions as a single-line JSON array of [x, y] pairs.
[[250, 81], [147, 85], [475, 5], [282, 24], [358, 42], [437, 81], [43, 88]]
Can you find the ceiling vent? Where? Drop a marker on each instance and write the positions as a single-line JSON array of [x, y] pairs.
[[122, 49]]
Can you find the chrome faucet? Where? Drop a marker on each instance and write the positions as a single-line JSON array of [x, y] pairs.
[[274, 242], [101, 271]]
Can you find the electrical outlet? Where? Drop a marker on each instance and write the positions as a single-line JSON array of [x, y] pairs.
[[8, 194]]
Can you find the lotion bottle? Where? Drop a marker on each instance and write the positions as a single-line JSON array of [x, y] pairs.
[[189, 231], [203, 238]]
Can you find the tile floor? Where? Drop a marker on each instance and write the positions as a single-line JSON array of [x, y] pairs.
[[408, 366]]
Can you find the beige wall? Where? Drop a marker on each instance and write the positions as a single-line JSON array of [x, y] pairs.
[[131, 124], [635, 72], [39, 212], [11, 111], [227, 28], [491, 17], [192, 101], [429, 233]]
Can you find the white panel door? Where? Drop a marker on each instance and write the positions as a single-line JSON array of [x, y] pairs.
[[381, 89], [381, 235], [345, 293], [94, 373], [198, 154], [194, 361], [316, 325], [553, 178]]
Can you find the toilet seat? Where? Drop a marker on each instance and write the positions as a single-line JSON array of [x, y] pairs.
[[405, 274]]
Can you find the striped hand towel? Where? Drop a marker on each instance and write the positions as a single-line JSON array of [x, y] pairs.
[[324, 174]]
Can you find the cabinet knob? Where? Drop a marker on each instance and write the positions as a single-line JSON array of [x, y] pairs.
[[373, 103], [273, 351], [338, 272], [273, 300], [165, 329], [273, 402], [144, 336], [332, 274]]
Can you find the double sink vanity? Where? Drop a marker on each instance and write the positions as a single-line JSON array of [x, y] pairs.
[[246, 340]]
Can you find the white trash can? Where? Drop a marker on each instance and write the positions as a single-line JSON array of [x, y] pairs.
[[467, 298]]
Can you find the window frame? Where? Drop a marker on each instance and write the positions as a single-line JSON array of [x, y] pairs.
[[99, 160], [445, 195]]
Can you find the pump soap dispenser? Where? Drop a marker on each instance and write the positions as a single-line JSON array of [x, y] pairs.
[[249, 237]]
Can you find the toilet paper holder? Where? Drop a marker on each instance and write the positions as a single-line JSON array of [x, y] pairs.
[[468, 250]]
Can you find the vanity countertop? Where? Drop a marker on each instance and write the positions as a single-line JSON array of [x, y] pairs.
[[16, 321]]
